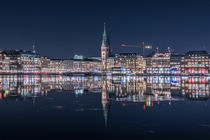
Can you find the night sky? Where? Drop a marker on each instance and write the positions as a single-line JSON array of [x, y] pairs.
[[64, 28]]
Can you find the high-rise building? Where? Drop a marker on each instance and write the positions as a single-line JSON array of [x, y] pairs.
[[105, 49]]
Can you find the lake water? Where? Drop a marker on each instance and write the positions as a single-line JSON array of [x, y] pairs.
[[94, 107]]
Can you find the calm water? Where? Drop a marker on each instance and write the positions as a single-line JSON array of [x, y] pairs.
[[63, 107]]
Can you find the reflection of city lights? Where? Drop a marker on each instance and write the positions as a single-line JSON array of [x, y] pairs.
[[148, 90]]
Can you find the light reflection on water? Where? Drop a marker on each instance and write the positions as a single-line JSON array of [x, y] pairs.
[[158, 99]]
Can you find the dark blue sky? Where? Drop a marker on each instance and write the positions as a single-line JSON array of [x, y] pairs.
[[64, 28]]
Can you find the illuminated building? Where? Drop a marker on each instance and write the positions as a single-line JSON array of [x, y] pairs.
[[158, 63], [5, 63], [29, 62], [45, 65], [129, 63], [14, 61], [68, 65], [175, 63], [105, 49], [87, 66], [56, 66], [195, 62], [110, 63]]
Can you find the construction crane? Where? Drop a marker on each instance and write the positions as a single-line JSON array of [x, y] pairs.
[[142, 46]]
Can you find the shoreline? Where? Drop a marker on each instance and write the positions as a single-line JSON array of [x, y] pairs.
[[102, 74]]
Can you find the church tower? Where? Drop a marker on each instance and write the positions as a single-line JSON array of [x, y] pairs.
[[105, 49]]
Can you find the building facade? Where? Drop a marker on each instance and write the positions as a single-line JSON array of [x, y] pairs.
[[158, 63], [129, 63], [175, 64], [195, 62]]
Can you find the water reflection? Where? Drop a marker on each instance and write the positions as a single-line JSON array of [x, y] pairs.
[[148, 91]]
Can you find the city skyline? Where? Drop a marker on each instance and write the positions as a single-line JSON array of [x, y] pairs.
[[105, 69], [63, 27]]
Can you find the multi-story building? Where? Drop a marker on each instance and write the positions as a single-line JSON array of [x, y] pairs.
[[87, 66], [110, 63], [14, 61], [5, 63], [130, 63], [45, 65], [56, 66], [175, 64], [29, 62], [195, 62], [68, 65], [158, 63]]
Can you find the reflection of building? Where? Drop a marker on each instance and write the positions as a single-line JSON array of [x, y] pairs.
[[149, 90], [105, 102], [196, 87], [195, 62], [159, 86]]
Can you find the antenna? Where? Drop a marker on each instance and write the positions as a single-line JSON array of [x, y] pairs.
[[34, 51], [157, 49], [169, 49]]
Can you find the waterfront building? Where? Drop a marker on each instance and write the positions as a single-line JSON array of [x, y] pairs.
[[29, 62], [93, 66], [158, 63], [87, 66], [175, 63], [56, 66], [195, 62], [14, 61], [110, 64], [68, 65], [105, 49], [5, 63], [129, 63], [45, 65]]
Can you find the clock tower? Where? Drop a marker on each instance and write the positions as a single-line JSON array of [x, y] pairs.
[[105, 49]]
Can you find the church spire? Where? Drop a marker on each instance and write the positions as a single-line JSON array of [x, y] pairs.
[[105, 37]]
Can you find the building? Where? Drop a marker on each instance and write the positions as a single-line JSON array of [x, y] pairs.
[[29, 62], [68, 65], [45, 65], [87, 66], [158, 63], [195, 62], [20, 61], [56, 66], [175, 64], [129, 63], [105, 49]]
